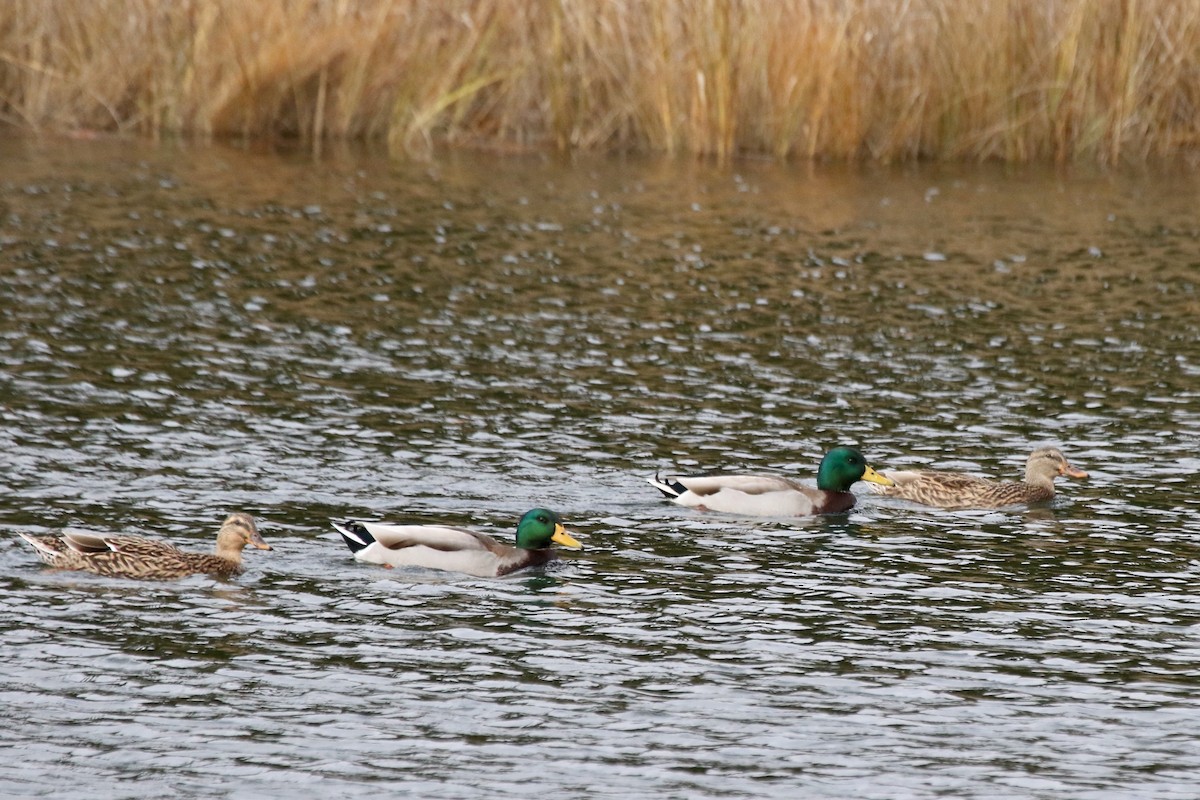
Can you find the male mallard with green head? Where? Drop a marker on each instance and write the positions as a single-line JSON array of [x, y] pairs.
[[960, 490], [136, 557], [773, 495], [457, 549]]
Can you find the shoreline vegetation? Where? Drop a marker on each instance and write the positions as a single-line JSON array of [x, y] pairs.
[[1107, 81]]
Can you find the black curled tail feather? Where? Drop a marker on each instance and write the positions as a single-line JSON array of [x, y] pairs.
[[669, 486], [355, 534]]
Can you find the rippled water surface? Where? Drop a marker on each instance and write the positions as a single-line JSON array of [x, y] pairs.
[[188, 331]]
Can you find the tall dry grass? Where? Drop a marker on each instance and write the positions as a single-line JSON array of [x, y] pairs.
[[1018, 80]]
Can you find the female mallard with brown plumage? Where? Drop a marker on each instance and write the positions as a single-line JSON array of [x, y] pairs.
[[136, 557], [960, 490], [775, 495]]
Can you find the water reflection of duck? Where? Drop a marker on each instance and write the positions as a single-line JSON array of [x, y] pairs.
[[960, 490], [136, 557], [773, 495], [456, 549]]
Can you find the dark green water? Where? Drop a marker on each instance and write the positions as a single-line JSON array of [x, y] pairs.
[[188, 331]]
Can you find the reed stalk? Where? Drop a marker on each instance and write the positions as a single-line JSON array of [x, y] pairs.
[[1015, 80]]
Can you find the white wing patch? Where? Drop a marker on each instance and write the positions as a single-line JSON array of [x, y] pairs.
[[435, 537], [85, 542], [747, 484]]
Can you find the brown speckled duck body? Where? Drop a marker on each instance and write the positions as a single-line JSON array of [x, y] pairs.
[[957, 490], [137, 557]]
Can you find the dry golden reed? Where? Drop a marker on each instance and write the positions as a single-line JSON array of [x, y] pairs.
[[1017, 80]]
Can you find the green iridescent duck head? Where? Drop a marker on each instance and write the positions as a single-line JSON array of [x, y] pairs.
[[842, 467], [541, 527]]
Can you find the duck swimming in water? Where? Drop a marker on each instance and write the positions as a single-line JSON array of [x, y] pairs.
[[137, 557], [960, 490], [775, 495], [457, 549]]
